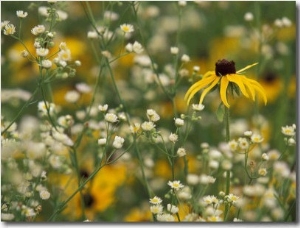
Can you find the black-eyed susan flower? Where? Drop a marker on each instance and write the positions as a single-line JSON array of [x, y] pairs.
[[224, 75]]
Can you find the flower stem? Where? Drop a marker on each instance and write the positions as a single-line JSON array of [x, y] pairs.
[[227, 138]]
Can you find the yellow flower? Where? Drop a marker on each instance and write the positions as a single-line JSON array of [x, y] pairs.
[[223, 75]]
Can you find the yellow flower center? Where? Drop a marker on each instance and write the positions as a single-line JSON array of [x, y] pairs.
[[224, 67]]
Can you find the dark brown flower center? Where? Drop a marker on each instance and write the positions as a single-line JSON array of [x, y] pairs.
[[88, 200], [224, 67]]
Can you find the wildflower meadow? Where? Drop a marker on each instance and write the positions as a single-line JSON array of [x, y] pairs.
[[148, 111]]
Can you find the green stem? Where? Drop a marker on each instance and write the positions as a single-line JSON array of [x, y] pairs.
[[142, 167], [227, 123], [227, 138]]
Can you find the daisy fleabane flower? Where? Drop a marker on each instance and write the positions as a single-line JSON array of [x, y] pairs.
[[152, 115], [111, 117], [155, 200], [148, 126], [288, 130], [3, 24], [176, 185], [9, 29], [225, 75], [198, 107], [38, 29], [42, 52], [21, 14], [156, 209], [173, 137], [118, 142], [127, 28]]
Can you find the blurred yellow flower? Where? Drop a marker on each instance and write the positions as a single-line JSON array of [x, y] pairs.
[[225, 74], [98, 195]]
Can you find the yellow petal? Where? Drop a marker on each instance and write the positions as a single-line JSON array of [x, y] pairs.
[[248, 85], [259, 89], [223, 90], [208, 73], [198, 86], [247, 67], [217, 79], [237, 79]]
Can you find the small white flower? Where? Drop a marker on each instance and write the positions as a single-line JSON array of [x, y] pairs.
[[233, 145], [156, 209], [182, 3], [148, 126], [176, 185], [243, 143], [226, 165], [256, 138], [207, 200], [196, 68], [44, 194], [77, 63], [129, 47], [181, 152], [62, 15], [173, 137], [237, 220], [262, 172], [288, 130], [83, 87], [165, 217], [46, 63], [291, 142], [192, 179], [286, 22], [179, 122], [265, 157], [102, 141], [127, 28], [137, 47], [42, 52], [248, 16], [172, 208], [21, 14], [3, 24], [206, 179], [155, 200], [38, 29], [135, 128], [9, 29], [64, 55], [103, 108], [92, 35], [110, 15], [43, 109], [248, 133], [174, 50], [65, 121], [72, 96], [278, 23], [152, 115], [185, 58], [106, 54], [231, 198], [111, 117], [198, 107], [24, 53], [118, 142]]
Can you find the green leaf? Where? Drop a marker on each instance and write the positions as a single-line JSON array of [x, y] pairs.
[[220, 112]]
